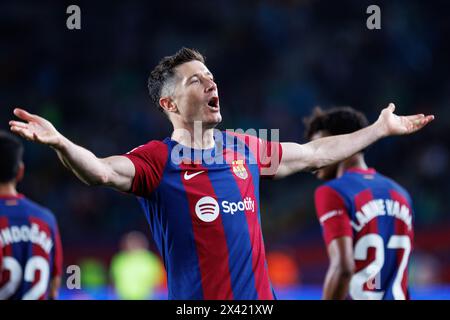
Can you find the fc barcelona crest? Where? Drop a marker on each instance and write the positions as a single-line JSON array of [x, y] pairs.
[[239, 169]]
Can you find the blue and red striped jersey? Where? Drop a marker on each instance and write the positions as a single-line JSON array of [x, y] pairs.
[[30, 249], [377, 214], [203, 211]]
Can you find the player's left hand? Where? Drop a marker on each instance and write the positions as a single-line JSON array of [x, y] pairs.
[[391, 124]]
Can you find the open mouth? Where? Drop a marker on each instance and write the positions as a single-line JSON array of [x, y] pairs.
[[214, 103]]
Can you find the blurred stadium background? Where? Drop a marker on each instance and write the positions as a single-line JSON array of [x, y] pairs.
[[274, 61]]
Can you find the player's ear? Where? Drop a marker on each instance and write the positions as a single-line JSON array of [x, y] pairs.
[[20, 172], [168, 104]]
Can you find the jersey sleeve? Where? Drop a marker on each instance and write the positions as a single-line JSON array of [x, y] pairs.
[[149, 161], [267, 154], [332, 214]]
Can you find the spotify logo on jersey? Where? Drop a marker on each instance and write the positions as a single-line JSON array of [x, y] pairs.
[[207, 209]]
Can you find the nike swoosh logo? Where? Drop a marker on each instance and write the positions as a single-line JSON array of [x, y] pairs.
[[190, 176]]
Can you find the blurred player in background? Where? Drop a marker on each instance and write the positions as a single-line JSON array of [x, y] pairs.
[[204, 210], [30, 246], [135, 270], [367, 219]]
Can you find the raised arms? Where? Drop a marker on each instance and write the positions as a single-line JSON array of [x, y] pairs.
[[326, 151], [116, 171]]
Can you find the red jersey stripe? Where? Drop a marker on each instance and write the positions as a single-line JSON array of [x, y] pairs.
[[209, 237]]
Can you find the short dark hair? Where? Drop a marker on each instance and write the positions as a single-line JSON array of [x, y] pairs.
[[335, 121], [164, 71], [11, 153]]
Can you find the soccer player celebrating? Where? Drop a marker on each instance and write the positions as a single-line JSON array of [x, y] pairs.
[[30, 247], [366, 218], [200, 190]]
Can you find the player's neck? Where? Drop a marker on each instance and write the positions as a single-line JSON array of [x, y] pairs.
[[357, 161], [197, 138], [8, 189]]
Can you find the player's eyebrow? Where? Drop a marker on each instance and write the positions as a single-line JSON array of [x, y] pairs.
[[198, 74], [210, 74]]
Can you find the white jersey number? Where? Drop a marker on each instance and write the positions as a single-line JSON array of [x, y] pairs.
[[372, 271], [17, 276]]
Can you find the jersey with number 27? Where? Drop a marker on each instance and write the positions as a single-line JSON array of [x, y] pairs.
[[377, 214]]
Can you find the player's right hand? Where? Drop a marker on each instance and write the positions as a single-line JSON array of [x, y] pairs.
[[35, 128]]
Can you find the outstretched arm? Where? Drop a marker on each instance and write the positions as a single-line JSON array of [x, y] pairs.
[[329, 150], [116, 171]]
